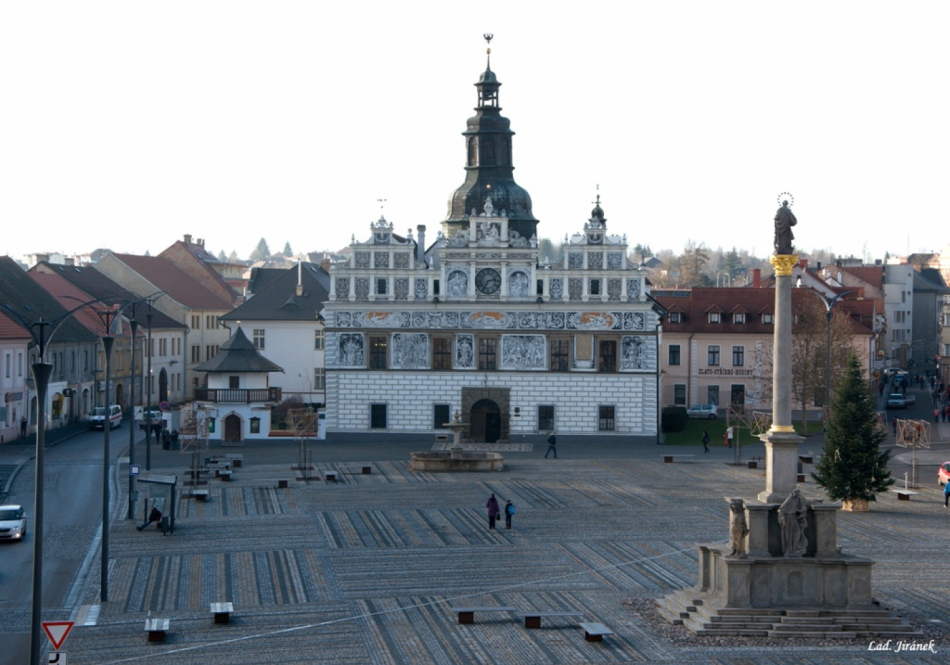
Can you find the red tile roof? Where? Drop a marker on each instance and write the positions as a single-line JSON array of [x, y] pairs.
[[175, 282], [70, 297], [873, 275], [10, 329]]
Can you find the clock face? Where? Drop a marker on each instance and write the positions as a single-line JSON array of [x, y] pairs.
[[488, 281]]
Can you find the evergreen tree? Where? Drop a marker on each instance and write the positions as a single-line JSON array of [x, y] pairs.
[[221, 257], [233, 257], [852, 465], [287, 250], [261, 252]]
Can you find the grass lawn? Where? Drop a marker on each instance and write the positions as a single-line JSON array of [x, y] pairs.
[[693, 434]]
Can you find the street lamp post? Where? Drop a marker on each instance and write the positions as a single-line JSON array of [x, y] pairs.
[[133, 326], [107, 343], [148, 406], [828, 303], [41, 375]]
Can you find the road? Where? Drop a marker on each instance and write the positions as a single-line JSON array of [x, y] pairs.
[[71, 523]]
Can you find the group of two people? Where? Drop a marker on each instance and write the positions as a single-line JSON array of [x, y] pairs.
[[494, 511]]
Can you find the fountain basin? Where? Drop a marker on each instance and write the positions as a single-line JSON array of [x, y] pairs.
[[444, 460]]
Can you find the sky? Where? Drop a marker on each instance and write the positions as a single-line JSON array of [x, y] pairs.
[[129, 124]]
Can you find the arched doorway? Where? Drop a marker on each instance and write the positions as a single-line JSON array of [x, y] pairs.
[[485, 419], [232, 428], [163, 386], [119, 396]]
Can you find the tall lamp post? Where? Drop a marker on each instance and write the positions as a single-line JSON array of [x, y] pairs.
[[148, 405], [133, 327]]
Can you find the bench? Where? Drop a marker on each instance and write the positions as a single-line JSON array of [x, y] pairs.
[[467, 614], [533, 619], [222, 612], [367, 470], [329, 475], [904, 495], [225, 475], [282, 484], [594, 632], [200, 495], [156, 629], [236, 459], [668, 459], [753, 462]]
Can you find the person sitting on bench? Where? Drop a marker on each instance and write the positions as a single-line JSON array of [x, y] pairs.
[[154, 516]]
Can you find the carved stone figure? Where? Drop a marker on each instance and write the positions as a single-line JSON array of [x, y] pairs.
[[738, 529], [784, 221], [518, 285], [351, 350], [457, 286], [631, 352], [793, 516], [460, 239], [464, 352]]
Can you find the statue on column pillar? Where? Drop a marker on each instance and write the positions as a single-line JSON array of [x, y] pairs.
[[784, 221]]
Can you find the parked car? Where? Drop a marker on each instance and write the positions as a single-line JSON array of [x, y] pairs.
[[943, 473], [708, 411], [12, 523], [142, 415], [97, 419], [896, 401]]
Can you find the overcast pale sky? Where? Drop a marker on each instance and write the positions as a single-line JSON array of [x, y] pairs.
[[128, 124]]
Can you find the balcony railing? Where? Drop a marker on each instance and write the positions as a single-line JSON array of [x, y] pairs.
[[237, 396]]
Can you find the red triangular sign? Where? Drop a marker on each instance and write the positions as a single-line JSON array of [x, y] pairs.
[[57, 631]]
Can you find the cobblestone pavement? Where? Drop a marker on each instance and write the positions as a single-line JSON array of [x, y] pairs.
[[364, 570]]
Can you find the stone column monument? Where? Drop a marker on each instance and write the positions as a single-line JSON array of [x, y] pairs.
[[781, 441]]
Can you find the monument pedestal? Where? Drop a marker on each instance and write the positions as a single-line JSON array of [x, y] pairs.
[[781, 463], [757, 589]]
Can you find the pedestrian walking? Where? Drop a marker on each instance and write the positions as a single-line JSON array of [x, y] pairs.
[[705, 441], [552, 446], [509, 511], [22, 427], [493, 511], [894, 425], [946, 495], [730, 432], [154, 516], [937, 415]]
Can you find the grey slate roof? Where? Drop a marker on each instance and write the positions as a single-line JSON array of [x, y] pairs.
[[278, 300], [238, 355]]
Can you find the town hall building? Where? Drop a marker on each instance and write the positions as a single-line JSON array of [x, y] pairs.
[[475, 324]]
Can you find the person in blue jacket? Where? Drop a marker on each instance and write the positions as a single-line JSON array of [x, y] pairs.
[[946, 495], [509, 511]]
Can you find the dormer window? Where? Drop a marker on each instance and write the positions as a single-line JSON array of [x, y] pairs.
[[738, 317], [767, 319], [714, 317], [675, 317]]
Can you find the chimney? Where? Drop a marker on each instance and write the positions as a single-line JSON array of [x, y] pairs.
[[803, 264], [325, 264], [818, 266], [187, 238], [421, 244], [299, 278], [757, 278]]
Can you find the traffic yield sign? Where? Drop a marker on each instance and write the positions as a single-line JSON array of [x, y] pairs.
[[57, 631]]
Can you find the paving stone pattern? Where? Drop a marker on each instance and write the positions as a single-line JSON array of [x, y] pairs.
[[363, 570]]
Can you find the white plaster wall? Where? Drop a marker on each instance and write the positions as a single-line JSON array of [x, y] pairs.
[[410, 397], [290, 345]]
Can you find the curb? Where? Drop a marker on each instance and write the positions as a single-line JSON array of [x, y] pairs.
[[5, 491]]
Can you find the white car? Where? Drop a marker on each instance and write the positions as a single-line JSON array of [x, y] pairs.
[[12, 523], [708, 411], [97, 419]]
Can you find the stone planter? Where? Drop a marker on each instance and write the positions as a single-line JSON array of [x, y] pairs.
[[856, 505]]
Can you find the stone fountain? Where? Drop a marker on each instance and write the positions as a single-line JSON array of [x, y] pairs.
[[456, 458]]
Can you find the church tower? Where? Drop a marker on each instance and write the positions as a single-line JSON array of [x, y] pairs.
[[489, 168]]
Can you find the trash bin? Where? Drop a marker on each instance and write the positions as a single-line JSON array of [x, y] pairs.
[[166, 524]]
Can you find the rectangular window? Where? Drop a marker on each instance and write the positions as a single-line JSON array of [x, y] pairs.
[[440, 416], [712, 355], [381, 286], [679, 394], [675, 317], [19, 362], [319, 378], [738, 317], [377, 352], [674, 354], [606, 419], [163, 347], [595, 287], [72, 362], [767, 319], [195, 322], [377, 416], [560, 355], [435, 287], [259, 338], [738, 356], [606, 355], [539, 288], [441, 353], [9, 365], [318, 338], [195, 353], [234, 383], [712, 395], [714, 317], [737, 398], [545, 417], [486, 353]]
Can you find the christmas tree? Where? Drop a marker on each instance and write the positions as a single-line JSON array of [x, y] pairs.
[[852, 465]]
